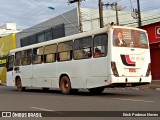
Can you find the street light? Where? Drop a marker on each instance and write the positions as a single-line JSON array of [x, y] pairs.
[[52, 8]]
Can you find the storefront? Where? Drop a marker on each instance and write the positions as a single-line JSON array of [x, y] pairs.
[[154, 39]]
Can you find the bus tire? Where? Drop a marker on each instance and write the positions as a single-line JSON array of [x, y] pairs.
[[96, 91], [19, 85], [65, 85]]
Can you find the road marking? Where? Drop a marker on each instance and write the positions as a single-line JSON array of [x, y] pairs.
[[41, 109], [134, 100]]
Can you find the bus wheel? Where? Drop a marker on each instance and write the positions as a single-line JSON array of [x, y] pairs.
[[65, 85], [19, 85], [96, 91]]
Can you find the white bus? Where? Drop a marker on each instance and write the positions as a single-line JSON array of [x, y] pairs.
[[113, 56]]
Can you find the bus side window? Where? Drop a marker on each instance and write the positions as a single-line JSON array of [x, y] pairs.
[[26, 57], [50, 53], [37, 57], [83, 48], [17, 58], [100, 45], [65, 51], [10, 61]]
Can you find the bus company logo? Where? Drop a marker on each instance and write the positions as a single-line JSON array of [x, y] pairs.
[[21, 114], [157, 31], [6, 114], [127, 61]]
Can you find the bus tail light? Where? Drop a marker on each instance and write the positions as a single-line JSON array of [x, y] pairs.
[[114, 69], [148, 70]]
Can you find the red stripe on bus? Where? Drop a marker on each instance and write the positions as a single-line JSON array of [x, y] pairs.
[[129, 60]]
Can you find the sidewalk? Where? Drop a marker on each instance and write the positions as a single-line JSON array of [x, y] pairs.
[[154, 85]]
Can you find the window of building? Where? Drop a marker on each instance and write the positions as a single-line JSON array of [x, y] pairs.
[[18, 58], [55, 32], [24, 41], [83, 48], [48, 35], [58, 31], [32, 39], [10, 62], [37, 57], [100, 45], [40, 37], [26, 57], [65, 51], [50, 53]]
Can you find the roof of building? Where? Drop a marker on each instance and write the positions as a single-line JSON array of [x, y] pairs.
[[8, 28]]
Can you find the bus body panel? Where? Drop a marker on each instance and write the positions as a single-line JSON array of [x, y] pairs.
[[131, 63], [100, 67], [141, 59], [86, 73], [131, 79], [45, 70], [94, 82], [26, 74], [76, 70], [10, 79]]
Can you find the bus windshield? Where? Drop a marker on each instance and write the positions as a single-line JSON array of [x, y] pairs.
[[129, 38]]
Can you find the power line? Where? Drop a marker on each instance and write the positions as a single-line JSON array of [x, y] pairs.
[[43, 12]]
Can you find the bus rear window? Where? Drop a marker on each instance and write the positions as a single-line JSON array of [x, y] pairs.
[[130, 38]]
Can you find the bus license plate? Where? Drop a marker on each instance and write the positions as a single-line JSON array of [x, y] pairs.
[[132, 70]]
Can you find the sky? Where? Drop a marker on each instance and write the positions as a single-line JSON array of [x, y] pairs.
[[27, 13]]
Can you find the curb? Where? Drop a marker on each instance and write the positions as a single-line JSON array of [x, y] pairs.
[[132, 88]]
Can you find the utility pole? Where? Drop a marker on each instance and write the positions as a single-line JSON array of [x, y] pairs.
[[136, 14], [101, 13], [117, 20], [114, 7], [139, 14], [80, 16], [79, 12]]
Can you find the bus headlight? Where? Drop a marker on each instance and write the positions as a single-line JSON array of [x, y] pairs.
[[148, 70], [114, 69]]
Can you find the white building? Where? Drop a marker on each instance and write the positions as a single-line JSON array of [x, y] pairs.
[[8, 28]]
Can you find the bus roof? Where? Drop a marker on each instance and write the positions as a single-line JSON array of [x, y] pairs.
[[72, 37], [126, 27]]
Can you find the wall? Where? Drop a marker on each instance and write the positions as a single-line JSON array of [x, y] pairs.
[[154, 39], [152, 30], [6, 44]]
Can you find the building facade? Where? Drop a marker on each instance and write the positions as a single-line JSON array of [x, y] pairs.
[[154, 39], [7, 43], [8, 28], [69, 20]]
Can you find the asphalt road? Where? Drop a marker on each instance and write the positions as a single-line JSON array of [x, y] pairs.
[[54, 101]]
